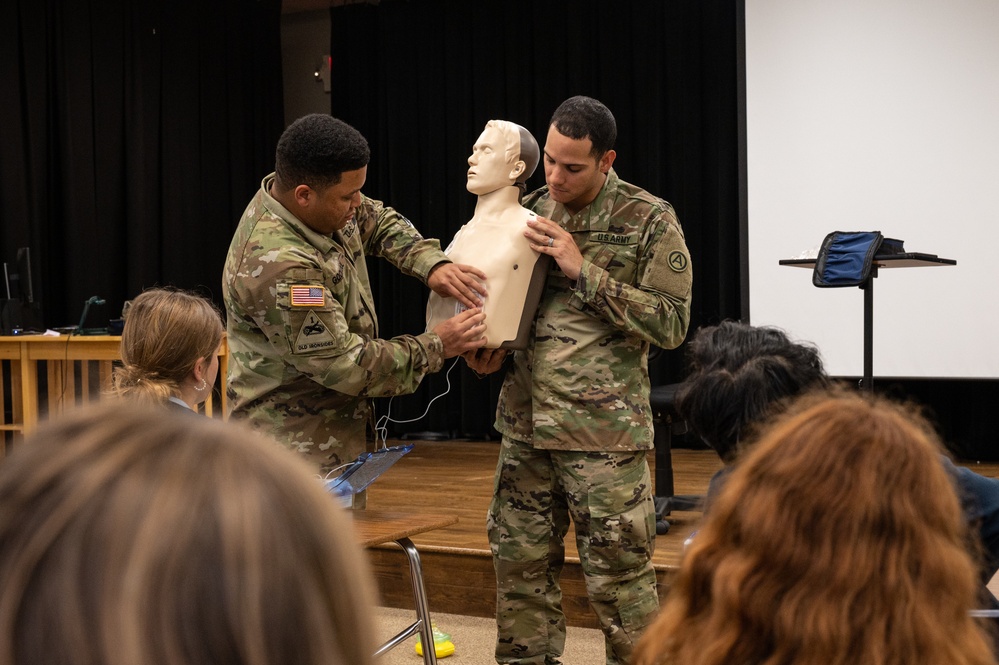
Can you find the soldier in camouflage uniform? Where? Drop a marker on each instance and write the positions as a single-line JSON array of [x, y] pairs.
[[303, 336], [574, 408]]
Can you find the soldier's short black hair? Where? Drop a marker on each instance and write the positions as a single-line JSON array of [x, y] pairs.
[[316, 150], [740, 375], [583, 117]]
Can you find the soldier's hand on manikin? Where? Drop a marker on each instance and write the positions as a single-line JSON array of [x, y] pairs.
[[463, 332], [484, 361], [464, 283], [547, 237]]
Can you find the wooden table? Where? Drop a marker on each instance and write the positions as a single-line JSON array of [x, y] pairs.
[[65, 357], [375, 527]]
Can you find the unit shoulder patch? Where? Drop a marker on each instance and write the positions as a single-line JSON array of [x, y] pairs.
[[313, 335], [677, 261]]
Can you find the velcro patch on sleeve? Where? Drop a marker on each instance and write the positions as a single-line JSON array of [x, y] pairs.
[[669, 270]]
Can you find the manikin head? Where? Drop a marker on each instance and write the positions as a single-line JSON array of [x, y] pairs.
[[505, 154]]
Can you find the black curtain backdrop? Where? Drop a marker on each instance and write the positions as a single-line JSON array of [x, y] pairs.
[[134, 134], [420, 78]]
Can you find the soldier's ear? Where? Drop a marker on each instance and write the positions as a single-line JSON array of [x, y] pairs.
[[607, 161], [304, 195]]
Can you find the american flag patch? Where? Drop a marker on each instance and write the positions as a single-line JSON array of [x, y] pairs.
[[307, 296]]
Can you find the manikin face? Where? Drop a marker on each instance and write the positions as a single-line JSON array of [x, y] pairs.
[[488, 168], [574, 176], [330, 209]]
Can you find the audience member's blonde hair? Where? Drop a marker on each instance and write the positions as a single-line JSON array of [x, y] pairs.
[[167, 332], [837, 540], [132, 535]]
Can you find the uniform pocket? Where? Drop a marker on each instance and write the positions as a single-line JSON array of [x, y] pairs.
[[622, 522]]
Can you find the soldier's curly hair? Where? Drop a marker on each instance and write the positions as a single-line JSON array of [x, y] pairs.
[[582, 117], [316, 150]]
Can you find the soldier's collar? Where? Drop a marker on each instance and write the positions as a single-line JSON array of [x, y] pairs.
[[323, 243]]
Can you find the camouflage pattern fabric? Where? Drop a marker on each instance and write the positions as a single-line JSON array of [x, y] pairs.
[[608, 495], [302, 331], [579, 397], [583, 381]]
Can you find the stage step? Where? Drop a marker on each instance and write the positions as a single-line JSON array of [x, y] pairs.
[[463, 582], [456, 477]]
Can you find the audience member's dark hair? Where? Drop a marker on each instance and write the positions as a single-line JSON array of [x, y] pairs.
[[584, 117], [739, 374], [316, 150]]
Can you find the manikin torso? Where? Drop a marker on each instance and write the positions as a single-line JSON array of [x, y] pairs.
[[493, 241]]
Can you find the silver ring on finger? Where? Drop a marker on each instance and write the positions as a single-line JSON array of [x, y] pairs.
[[551, 241]]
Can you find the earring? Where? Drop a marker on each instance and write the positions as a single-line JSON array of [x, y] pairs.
[[204, 384]]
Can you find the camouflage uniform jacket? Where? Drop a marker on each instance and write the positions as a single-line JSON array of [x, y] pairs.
[[302, 331], [583, 382]]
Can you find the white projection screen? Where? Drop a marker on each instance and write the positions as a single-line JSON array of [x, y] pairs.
[[879, 115]]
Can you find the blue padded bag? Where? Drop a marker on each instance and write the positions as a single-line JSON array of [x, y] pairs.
[[845, 258]]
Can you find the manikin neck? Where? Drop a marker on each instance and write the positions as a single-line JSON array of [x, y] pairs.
[[493, 203]]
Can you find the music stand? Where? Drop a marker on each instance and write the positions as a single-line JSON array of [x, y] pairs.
[[905, 260]]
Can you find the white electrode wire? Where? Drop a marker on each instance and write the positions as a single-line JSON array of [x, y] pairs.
[[335, 469], [381, 426]]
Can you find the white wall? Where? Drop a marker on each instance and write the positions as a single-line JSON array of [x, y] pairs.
[[878, 115]]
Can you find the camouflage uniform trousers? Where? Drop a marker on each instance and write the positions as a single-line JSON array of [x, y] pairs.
[[608, 495]]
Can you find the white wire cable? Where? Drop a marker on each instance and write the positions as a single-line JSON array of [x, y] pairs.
[[381, 425], [334, 470]]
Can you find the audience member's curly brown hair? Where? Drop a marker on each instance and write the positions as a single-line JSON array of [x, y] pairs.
[[838, 539]]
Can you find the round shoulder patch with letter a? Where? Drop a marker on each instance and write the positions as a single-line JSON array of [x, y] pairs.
[[677, 261]]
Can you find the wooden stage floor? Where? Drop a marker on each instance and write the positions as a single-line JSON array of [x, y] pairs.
[[456, 478]]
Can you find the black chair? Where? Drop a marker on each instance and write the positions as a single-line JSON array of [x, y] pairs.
[[667, 423]]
